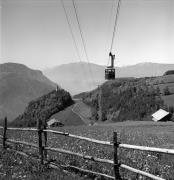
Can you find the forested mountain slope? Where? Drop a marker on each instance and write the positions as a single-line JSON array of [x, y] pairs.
[[124, 99], [18, 86], [43, 108]]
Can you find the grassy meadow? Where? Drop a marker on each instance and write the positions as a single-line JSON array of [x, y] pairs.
[[135, 133], [14, 166]]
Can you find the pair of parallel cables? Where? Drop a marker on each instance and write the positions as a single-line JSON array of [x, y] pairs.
[[81, 32]]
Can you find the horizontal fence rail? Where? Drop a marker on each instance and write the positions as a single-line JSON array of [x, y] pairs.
[[80, 137], [141, 172], [22, 129], [125, 146], [22, 142], [80, 155], [43, 148], [149, 149], [55, 166], [89, 172]]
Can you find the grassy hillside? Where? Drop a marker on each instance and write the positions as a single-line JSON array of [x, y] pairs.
[[68, 117], [136, 133], [18, 86], [163, 82], [74, 115], [169, 100], [83, 111], [15, 166], [43, 108]]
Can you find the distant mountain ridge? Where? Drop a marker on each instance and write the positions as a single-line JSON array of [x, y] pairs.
[[76, 77], [18, 86], [20, 69], [144, 70]]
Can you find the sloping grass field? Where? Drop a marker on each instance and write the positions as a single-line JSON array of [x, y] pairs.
[[169, 100], [68, 117], [84, 111], [136, 133], [14, 166], [162, 82]]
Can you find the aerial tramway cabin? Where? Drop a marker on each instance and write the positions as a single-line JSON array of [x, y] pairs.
[[110, 70]]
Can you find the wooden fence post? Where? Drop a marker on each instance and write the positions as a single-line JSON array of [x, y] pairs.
[[116, 163], [40, 130], [45, 141], [4, 133]]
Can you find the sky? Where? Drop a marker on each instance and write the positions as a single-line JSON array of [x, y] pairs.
[[36, 33]]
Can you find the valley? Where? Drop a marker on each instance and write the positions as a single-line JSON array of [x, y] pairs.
[[20, 85], [124, 106], [86, 90]]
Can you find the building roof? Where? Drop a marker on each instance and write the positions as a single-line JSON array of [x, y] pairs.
[[158, 115], [52, 121]]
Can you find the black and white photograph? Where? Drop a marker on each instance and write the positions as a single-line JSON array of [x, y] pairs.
[[87, 89]]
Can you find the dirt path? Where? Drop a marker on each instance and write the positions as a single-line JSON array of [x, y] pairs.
[[83, 111]]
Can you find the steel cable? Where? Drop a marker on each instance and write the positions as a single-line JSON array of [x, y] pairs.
[[115, 24], [73, 37], [83, 40]]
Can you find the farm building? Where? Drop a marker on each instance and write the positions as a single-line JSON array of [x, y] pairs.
[[54, 123], [161, 115]]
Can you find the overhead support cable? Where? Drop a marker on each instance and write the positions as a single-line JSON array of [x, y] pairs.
[[115, 24], [83, 40], [109, 26], [71, 31], [73, 36]]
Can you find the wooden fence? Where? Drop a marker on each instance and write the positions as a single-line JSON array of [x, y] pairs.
[[43, 148]]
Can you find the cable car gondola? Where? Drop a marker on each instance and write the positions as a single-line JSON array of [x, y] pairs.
[[110, 70]]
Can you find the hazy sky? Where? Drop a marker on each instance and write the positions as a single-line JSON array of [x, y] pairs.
[[36, 33]]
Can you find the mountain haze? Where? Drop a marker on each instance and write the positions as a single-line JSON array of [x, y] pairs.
[[77, 77], [18, 86]]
